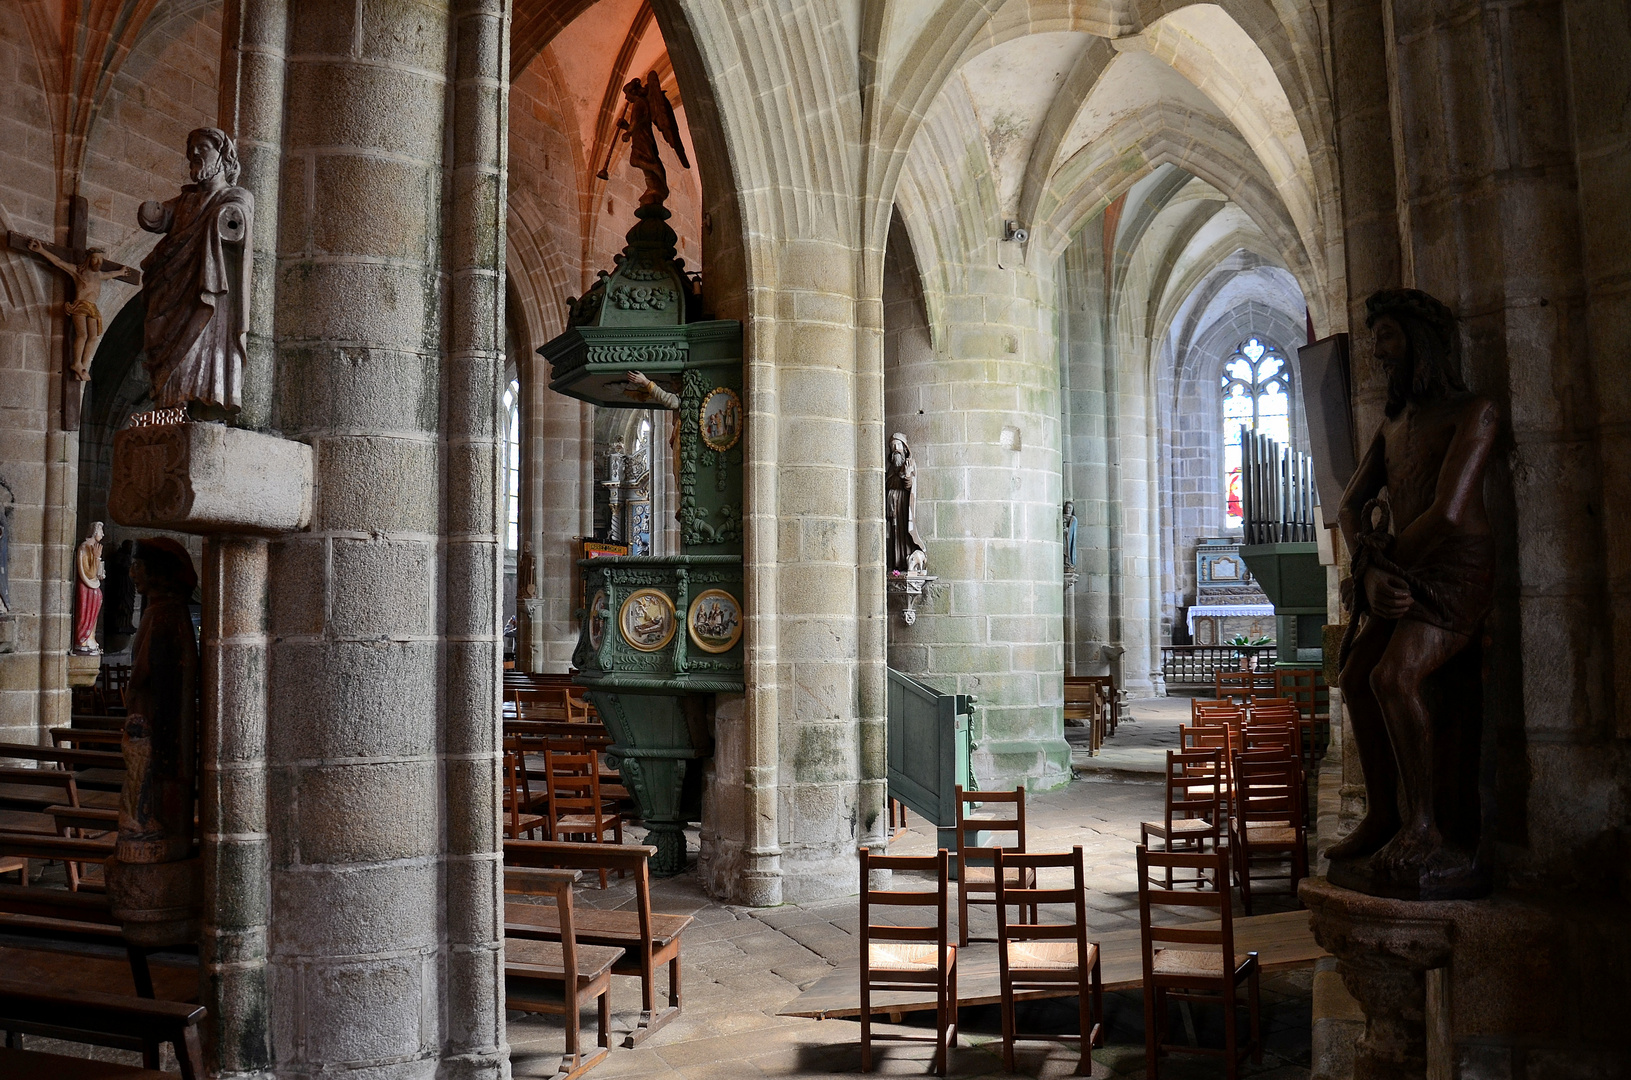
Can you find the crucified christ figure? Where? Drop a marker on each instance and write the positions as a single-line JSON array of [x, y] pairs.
[[1414, 519], [88, 278]]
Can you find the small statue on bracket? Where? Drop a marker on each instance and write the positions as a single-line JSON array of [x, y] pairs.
[[89, 571], [1070, 534], [1414, 519], [907, 552], [197, 284]]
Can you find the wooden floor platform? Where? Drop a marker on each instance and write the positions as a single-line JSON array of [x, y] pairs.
[[1282, 940]]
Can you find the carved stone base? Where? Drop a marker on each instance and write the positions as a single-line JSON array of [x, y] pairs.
[[1385, 949], [160, 904], [1516, 984], [82, 670], [206, 478]]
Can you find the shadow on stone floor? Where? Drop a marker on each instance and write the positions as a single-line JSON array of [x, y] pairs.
[[743, 965]]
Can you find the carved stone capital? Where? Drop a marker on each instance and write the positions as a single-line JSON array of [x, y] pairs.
[[208, 478]]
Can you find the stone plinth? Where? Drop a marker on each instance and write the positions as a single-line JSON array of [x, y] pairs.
[[83, 670], [209, 478], [1508, 986]]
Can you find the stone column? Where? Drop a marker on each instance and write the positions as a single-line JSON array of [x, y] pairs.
[[385, 658], [1087, 456], [232, 805], [233, 642], [982, 418], [472, 538]]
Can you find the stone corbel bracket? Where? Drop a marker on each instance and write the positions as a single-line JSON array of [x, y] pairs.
[[208, 478], [912, 586]]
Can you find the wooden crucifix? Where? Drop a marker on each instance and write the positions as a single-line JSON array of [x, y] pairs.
[[88, 270]]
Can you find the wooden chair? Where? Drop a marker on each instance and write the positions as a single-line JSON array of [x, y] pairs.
[[1287, 711], [1040, 956], [1241, 685], [1225, 742], [519, 818], [1193, 963], [84, 1016], [908, 957], [1268, 817], [976, 877], [559, 977], [897, 820], [1305, 686], [577, 808], [1195, 803], [648, 940]]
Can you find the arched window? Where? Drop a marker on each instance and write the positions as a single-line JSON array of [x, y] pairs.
[[512, 468], [1256, 398]]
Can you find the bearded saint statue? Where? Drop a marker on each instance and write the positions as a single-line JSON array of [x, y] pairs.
[[197, 283]]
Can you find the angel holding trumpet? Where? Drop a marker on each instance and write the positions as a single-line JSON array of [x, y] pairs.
[[647, 108]]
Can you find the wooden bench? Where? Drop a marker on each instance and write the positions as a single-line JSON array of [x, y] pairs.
[[1093, 698], [61, 916], [101, 1019], [648, 940], [559, 976], [99, 770]]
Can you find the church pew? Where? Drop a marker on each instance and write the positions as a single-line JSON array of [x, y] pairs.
[[560, 976], [60, 915], [648, 940], [97, 769], [99, 1019]]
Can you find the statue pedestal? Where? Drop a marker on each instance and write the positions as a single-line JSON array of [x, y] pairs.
[[83, 668], [208, 478], [159, 904], [1511, 985]]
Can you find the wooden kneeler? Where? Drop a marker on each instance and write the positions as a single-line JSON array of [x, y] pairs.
[[559, 977]]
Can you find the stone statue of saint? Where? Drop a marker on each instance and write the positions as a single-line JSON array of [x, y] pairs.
[[649, 108], [1414, 520], [1070, 534], [197, 283], [161, 700], [88, 278], [907, 553], [89, 570]]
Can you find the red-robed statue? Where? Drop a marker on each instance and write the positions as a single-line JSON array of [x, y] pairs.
[[196, 283]]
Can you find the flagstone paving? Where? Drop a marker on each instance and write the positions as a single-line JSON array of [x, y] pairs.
[[743, 965]]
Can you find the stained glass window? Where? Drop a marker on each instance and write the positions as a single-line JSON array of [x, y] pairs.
[[512, 466], [1256, 398]]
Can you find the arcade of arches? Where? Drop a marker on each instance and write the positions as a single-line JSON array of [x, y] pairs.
[[1203, 188]]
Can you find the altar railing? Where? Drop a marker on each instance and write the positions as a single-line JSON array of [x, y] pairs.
[[1195, 665]]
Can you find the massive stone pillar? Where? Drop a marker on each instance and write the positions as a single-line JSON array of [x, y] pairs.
[[1087, 468], [982, 418], [385, 876], [1492, 180]]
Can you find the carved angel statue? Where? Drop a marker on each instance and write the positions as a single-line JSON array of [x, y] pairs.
[[648, 108]]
